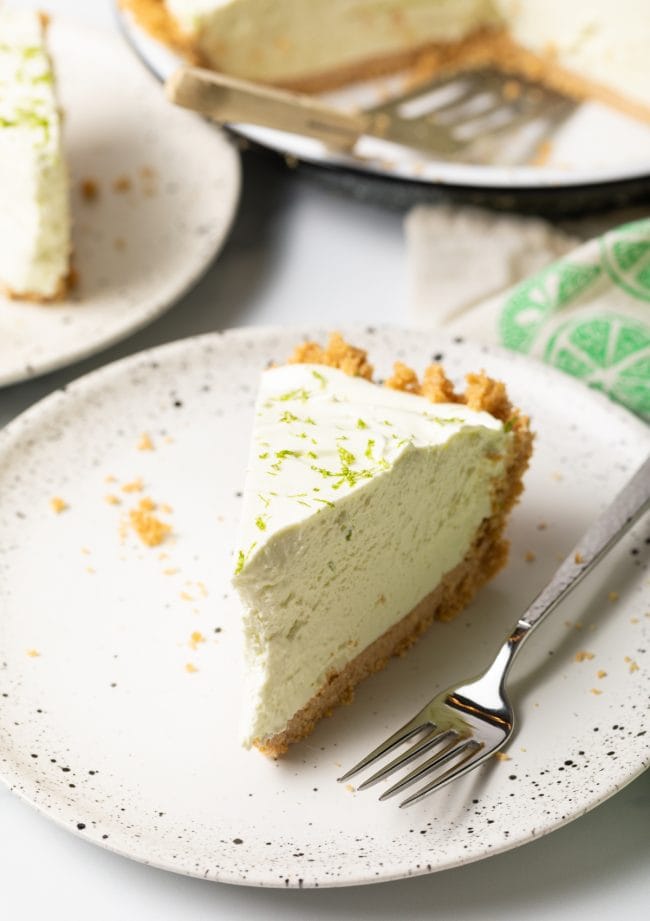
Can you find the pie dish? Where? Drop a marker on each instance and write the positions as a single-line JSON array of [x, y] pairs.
[[586, 49]]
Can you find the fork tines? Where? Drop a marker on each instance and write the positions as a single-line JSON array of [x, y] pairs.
[[451, 745]]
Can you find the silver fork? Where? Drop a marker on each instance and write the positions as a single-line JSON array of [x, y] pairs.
[[465, 725], [474, 114]]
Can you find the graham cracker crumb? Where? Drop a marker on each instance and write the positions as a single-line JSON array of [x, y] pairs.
[[89, 189], [170, 571], [151, 530], [595, 691], [191, 668], [185, 596], [196, 638], [350, 788], [530, 556], [109, 478], [404, 378], [58, 505], [501, 756], [511, 90], [583, 656], [145, 443], [613, 596], [33, 653], [112, 499], [633, 665], [122, 184], [578, 558], [134, 486], [542, 154], [601, 673], [337, 354], [436, 386], [483, 393], [634, 620], [542, 526]]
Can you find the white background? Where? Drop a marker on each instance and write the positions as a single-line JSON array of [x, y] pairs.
[[301, 253]]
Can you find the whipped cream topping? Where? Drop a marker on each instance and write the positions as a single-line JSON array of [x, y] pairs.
[[321, 434]]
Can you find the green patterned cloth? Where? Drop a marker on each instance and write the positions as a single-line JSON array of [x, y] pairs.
[[587, 314]]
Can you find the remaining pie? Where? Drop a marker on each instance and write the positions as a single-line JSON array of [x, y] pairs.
[[34, 205], [369, 511], [583, 47]]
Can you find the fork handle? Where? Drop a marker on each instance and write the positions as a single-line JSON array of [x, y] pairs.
[[627, 507], [227, 99]]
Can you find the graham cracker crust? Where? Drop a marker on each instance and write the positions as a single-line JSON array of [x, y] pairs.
[[155, 18], [487, 555], [486, 47], [65, 283]]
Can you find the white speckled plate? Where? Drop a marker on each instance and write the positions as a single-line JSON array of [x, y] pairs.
[[168, 188], [119, 725]]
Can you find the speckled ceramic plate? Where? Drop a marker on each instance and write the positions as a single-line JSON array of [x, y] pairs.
[[119, 663], [167, 185]]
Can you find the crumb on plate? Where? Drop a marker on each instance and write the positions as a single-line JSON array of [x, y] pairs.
[[89, 189], [122, 184], [145, 443], [150, 529], [58, 505], [134, 486]]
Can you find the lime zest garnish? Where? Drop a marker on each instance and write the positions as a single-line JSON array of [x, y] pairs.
[[242, 558]]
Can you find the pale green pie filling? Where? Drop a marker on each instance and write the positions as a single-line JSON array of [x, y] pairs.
[[34, 207], [358, 500]]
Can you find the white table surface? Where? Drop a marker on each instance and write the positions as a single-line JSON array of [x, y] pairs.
[[300, 253]]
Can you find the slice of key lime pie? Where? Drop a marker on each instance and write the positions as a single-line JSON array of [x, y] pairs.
[[369, 511], [34, 208]]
